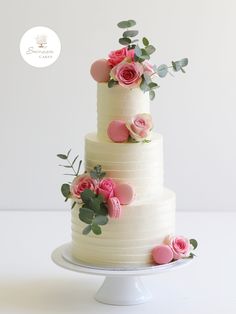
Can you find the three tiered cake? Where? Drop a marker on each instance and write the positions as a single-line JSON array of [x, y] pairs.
[[122, 215]]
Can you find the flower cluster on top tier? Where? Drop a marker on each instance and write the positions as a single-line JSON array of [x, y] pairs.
[[174, 248], [97, 196], [129, 66], [136, 130]]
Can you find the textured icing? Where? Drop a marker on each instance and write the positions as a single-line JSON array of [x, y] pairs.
[[118, 103], [127, 241], [138, 164]]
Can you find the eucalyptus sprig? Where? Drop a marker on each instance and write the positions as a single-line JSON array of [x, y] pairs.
[[127, 37], [93, 212], [142, 53], [65, 188]]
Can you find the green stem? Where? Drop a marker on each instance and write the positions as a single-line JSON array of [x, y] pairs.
[[72, 167]]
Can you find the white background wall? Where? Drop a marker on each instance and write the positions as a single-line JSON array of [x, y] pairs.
[[47, 111]]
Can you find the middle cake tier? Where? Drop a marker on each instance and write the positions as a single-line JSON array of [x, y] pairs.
[[138, 164]]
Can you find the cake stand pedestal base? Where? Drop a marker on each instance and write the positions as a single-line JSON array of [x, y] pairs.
[[122, 286], [123, 291]]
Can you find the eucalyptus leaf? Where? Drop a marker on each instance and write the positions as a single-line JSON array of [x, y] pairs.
[[126, 24], [73, 205], [62, 156], [96, 229], [147, 78], [162, 70], [176, 66], [144, 87], [194, 243], [145, 54], [87, 229], [86, 195], [100, 220], [132, 33], [102, 210], [86, 215], [152, 85], [65, 190], [150, 49], [94, 203], [138, 51], [124, 41], [80, 162], [151, 94], [112, 83], [145, 41], [68, 153], [73, 162], [183, 62]]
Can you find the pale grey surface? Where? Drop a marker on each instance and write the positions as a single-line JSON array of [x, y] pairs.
[[46, 111], [30, 283]]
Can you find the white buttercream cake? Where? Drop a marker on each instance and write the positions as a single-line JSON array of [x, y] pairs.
[[129, 240], [122, 215]]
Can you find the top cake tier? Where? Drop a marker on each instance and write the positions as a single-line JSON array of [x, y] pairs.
[[118, 103]]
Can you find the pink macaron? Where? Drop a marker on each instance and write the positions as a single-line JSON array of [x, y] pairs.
[[100, 70], [114, 208], [162, 254], [125, 193], [117, 131]]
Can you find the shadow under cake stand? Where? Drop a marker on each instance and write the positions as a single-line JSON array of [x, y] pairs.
[[122, 286]]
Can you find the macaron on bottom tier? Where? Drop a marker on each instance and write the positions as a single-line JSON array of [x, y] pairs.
[[129, 240]]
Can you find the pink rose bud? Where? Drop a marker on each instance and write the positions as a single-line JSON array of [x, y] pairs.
[[82, 183], [106, 188], [128, 74], [180, 246], [140, 126]]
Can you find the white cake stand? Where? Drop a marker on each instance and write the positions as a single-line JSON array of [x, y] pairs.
[[122, 286]]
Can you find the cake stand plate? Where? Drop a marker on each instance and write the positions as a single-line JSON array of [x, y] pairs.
[[122, 286]]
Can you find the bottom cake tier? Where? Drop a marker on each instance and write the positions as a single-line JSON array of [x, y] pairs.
[[129, 240]]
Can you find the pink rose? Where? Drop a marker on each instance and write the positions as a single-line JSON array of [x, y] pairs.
[[106, 187], [117, 56], [140, 126], [82, 183], [180, 246], [128, 74]]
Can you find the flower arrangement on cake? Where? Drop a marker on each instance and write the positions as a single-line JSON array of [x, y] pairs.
[[99, 197], [129, 66]]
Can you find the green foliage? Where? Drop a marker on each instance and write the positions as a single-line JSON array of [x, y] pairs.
[[145, 41], [94, 210], [150, 49], [97, 172], [71, 165], [126, 24], [100, 220], [162, 70], [130, 34], [87, 229], [86, 215], [86, 195], [112, 83], [125, 41], [65, 190], [62, 156], [96, 229], [194, 243], [179, 65], [152, 94]]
